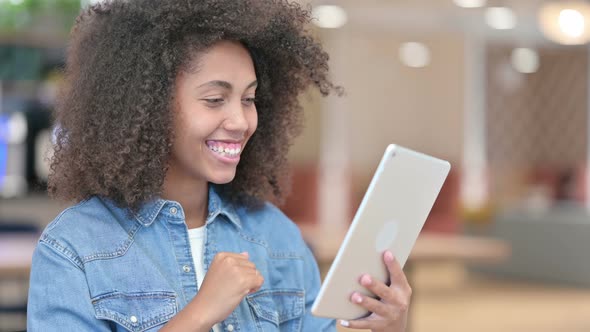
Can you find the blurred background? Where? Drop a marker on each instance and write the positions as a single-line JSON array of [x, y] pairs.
[[499, 88]]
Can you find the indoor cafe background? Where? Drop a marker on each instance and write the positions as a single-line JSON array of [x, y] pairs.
[[498, 88]]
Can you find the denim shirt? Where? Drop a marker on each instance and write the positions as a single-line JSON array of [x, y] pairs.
[[98, 267]]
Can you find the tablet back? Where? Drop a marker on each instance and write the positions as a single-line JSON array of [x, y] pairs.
[[391, 215]]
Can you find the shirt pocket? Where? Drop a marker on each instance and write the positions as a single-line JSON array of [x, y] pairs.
[[278, 309], [136, 311]]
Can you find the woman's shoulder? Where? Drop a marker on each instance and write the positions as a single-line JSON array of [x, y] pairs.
[[81, 214], [67, 217], [78, 226]]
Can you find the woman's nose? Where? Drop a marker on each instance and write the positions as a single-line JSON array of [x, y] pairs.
[[236, 119]]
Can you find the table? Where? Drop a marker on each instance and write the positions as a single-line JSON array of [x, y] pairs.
[[16, 253]]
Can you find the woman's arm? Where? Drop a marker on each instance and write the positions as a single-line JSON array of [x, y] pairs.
[[187, 320], [59, 299]]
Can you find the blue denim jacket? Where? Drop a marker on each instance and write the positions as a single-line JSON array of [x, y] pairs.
[[99, 268]]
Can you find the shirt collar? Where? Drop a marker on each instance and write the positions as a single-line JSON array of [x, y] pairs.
[[148, 212], [218, 205]]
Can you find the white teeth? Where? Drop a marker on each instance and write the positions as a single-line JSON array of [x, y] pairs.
[[225, 151]]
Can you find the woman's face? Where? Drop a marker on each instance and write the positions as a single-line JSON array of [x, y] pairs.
[[215, 115]]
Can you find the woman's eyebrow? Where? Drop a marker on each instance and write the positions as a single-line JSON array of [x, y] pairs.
[[217, 83], [252, 85], [225, 84]]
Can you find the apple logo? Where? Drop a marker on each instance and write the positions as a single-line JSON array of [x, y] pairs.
[[386, 235]]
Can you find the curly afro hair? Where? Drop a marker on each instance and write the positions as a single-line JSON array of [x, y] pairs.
[[114, 115]]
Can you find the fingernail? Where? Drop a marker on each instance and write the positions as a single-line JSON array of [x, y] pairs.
[[357, 298], [344, 323], [388, 256], [366, 280]]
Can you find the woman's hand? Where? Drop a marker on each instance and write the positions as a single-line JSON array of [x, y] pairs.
[[390, 312], [229, 279]]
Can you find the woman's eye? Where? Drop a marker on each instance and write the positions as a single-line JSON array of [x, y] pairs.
[[214, 101], [249, 101]]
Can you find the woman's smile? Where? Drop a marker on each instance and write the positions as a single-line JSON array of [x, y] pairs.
[[225, 151]]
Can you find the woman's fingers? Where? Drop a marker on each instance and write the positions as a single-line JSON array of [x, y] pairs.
[[235, 259], [240, 266], [396, 273], [370, 304], [371, 322], [389, 311], [357, 324], [377, 287]]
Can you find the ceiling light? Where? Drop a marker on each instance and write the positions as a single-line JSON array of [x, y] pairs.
[[415, 55], [329, 17], [571, 22], [565, 22], [525, 60], [470, 3], [500, 18]]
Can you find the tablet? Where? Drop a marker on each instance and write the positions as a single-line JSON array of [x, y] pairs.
[[390, 216]]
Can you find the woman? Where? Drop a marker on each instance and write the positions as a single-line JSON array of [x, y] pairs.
[[174, 125]]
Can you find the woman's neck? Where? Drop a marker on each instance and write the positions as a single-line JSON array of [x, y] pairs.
[[192, 196]]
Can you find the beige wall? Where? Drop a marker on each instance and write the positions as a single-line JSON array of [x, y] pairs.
[[387, 102], [305, 149]]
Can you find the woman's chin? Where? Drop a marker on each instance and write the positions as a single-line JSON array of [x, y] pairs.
[[222, 178]]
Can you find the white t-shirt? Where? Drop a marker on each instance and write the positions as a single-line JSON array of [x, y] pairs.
[[198, 237]]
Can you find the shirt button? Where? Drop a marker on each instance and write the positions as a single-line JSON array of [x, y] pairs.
[[173, 210], [133, 319], [230, 327], [186, 268]]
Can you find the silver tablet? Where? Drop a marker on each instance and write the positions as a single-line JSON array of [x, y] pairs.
[[390, 216]]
